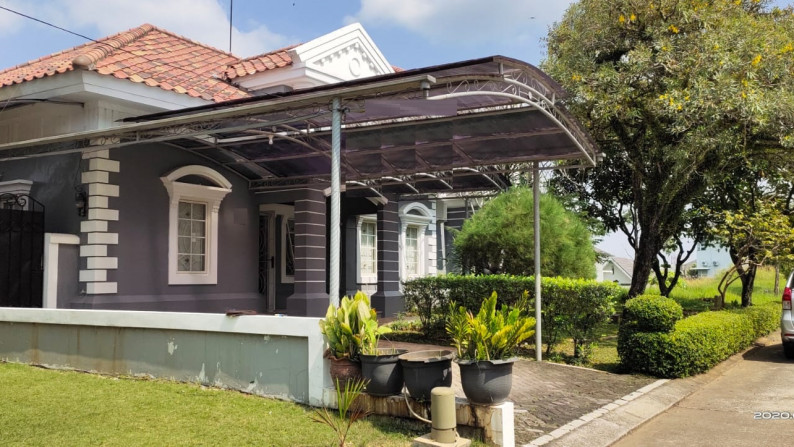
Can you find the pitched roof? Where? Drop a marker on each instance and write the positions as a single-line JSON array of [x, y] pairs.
[[146, 54], [263, 62], [625, 264]]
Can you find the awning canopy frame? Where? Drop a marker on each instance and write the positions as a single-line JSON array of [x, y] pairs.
[[504, 116]]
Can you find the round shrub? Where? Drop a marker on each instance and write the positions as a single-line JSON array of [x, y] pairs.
[[648, 313]]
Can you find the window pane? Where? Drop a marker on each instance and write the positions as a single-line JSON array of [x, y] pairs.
[[198, 228], [183, 245], [412, 251], [183, 263], [199, 212], [191, 231], [197, 263], [184, 210], [368, 249], [197, 246]]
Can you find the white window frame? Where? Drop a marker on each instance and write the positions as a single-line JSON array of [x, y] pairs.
[[361, 277], [211, 196], [421, 223]]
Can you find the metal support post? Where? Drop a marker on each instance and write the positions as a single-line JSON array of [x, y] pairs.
[[536, 206], [336, 150]]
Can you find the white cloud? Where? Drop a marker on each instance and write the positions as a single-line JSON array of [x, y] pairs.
[[204, 21], [464, 21], [10, 22]]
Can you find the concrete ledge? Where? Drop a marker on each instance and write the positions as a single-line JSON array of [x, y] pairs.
[[123, 342]]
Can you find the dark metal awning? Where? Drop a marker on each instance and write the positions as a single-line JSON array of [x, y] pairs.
[[454, 127]]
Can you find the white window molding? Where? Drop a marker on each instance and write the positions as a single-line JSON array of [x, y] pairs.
[[211, 197], [370, 222], [418, 216]]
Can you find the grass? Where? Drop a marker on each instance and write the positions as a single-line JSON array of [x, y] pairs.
[[40, 407], [696, 295]]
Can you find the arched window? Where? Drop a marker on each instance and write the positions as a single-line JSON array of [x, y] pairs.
[[414, 219], [196, 193]]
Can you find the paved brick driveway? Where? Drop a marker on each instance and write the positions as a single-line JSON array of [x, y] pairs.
[[549, 395]]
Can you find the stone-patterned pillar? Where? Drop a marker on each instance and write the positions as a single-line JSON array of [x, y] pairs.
[[98, 238], [388, 300], [311, 295]]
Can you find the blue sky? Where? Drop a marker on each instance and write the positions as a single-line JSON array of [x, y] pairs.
[[410, 33]]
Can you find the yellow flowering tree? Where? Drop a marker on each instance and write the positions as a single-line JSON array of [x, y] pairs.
[[676, 93]]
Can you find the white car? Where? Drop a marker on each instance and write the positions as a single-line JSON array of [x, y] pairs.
[[787, 320]]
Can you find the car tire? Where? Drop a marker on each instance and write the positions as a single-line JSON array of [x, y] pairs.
[[788, 349]]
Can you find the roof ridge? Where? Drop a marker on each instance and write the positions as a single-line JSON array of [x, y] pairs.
[[69, 50], [267, 53], [195, 42], [107, 46]]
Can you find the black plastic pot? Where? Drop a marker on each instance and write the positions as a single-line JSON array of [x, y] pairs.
[[384, 372], [486, 382], [425, 370]]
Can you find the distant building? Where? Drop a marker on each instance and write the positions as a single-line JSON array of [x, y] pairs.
[[614, 269], [710, 261]]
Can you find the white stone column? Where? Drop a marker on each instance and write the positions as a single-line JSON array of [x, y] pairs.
[[98, 240]]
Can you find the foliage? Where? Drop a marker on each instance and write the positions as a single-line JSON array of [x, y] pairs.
[[352, 327], [124, 411], [674, 93], [763, 235], [369, 331], [491, 334], [346, 413], [648, 313], [499, 238], [697, 343], [571, 306]]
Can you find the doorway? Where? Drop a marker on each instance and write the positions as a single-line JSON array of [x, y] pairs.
[[267, 260]]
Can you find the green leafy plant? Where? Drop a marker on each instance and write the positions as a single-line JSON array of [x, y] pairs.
[[341, 325], [492, 334], [369, 332], [346, 414]]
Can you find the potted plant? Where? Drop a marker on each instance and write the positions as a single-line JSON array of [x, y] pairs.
[[340, 327], [486, 345], [378, 365]]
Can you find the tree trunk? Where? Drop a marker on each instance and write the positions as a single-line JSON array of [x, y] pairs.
[[777, 280], [643, 262], [748, 279]]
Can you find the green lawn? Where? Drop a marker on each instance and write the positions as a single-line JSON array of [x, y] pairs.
[[62, 408]]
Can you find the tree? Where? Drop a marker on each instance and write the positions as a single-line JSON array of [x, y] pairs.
[[671, 91], [499, 238], [753, 239]]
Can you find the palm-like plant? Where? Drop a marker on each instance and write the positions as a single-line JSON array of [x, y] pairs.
[[346, 414], [492, 334]]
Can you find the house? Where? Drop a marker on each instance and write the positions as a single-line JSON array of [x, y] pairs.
[[709, 261], [172, 176], [614, 269]]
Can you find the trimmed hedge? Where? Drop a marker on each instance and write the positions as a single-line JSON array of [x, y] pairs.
[[696, 343], [573, 306], [649, 313]]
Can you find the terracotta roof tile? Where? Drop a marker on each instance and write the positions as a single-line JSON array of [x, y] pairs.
[[144, 54], [263, 62]]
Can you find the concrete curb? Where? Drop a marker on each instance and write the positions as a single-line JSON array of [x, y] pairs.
[[613, 421]]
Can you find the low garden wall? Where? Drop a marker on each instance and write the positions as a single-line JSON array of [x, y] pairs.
[[264, 355]]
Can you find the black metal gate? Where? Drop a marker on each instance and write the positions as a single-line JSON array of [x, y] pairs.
[[21, 251]]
